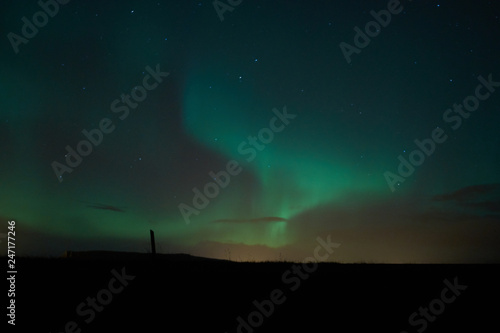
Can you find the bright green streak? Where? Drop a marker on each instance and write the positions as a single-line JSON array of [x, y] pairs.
[[291, 180]]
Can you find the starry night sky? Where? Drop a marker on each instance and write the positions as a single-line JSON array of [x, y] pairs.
[[330, 169]]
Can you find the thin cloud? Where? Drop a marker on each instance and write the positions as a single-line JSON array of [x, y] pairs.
[[492, 206], [260, 219], [467, 193], [484, 197], [106, 207]]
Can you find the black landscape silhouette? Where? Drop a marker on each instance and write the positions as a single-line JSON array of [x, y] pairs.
[[167, 292]]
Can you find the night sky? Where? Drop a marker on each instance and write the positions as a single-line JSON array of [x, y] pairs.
[[283, 120]]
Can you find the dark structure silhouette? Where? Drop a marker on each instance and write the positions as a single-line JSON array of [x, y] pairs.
[[153, 245]]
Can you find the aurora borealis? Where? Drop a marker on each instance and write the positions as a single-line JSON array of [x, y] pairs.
[[321, 174]]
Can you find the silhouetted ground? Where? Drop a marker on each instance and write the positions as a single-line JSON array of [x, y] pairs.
[[190, 294]]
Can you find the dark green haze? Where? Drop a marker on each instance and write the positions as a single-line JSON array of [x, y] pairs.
[[374, 122]]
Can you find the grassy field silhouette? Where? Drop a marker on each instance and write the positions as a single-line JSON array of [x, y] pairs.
[[180, 291]]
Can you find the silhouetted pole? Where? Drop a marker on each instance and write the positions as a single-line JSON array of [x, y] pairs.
[[153, 246]]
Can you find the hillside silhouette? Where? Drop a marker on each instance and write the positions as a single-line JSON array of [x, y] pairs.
[[183, 292]]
